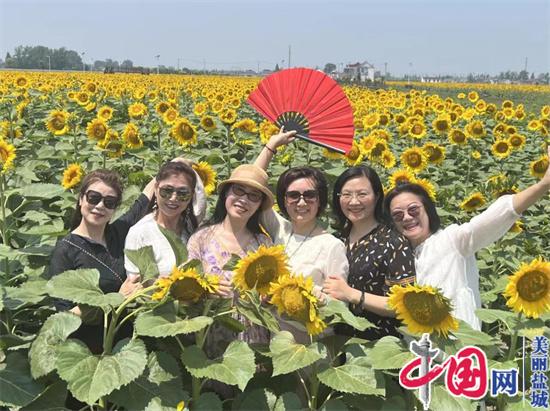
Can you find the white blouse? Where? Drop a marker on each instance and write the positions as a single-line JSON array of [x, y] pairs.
[[446, 260]]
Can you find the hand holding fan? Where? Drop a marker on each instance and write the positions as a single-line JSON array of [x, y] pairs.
[[309, 102]]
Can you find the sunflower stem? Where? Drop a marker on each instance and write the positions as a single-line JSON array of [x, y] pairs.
[[159, 149], [514, 341], [5, 238], [314, 387], [227, 154]]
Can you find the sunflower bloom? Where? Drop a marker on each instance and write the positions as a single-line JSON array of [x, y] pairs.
[[267, 129], [161, 107], [457, 136], [228, 116], [354, 156], [207, 174], [246, 124], [427, 186], [517, 141], [163, 285], [332, 155], [137, 110], [528, 289], [423, 309], [501, 148], [72, 176], [208, 123], [417, 130], [434, 152], [7, 156], [258, 269], [58, 122], [97, 129], [184, 132], [388, 159], [402, 176], [475, 129], [190, 286], [131, 137], [105, 113], [538, 167], [414, 159], [442, 124], [473, 202], [170, 116], [293, 296], [200, 109]]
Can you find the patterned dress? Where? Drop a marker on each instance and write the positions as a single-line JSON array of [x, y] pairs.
[[380, 259], [204, 246]]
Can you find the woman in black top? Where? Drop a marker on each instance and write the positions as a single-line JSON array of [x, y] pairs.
[[378, 256], [94, 242]]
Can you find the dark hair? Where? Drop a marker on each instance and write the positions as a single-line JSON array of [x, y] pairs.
[[355, 172], [293, 174], [175, 168], [253, 223], [108, 177], [429, 205]]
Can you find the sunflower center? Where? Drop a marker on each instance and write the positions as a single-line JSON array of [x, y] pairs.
[[425, 308], [417, 129], [58, 123], [187, 289], [533, 286], [414, 160], [261, 272], [294, 303], [502, 147], [459, 137], [186, 131]]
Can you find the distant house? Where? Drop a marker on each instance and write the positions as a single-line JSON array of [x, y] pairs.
[[430, 79], [359, 72]]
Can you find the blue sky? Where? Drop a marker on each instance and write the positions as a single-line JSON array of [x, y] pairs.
[[420, 37]]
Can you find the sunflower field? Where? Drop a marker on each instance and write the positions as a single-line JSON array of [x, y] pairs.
[[466, 148]]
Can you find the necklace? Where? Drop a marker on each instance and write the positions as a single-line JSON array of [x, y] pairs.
[[301, 242]]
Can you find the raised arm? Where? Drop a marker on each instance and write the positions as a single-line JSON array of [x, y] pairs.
[[526, 198], [270, 148]]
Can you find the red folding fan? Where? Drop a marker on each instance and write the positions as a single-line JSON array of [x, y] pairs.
[[309, 102]]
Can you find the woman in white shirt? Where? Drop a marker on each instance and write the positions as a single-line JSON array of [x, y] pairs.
[[445, 257]]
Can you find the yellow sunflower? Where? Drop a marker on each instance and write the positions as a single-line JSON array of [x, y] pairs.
[[58, 122], [163, 284], [72, 176], [131, 136], [528, 289], [228, 116], [332, 155], [161, 107], [200, 109], [371, 120], [476, 155], [97, 129], [457, 136], [473, 96], [402, 176], [473, 202], [417, 130], [414, 159], [534, 125], [501, 148], [246, 124], [545, 111], [208, 123], [105, 113], [258, 269], [475, 129], [423, 309], [354, 156], [170, 116], [190, 286], [434, 152], [82, 98], [427, 186], [184, 132], [137, 110], [21, 82], [207, 174], [442, 124], [267, 129], [517, 227], [388, 159], [538, 167], [293, 296], [7, 155]]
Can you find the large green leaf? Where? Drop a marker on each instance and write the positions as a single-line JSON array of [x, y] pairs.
[[82, 287], [251, 307], [490, 316], [289, 356], [468, 336], [179, 249], [91, 377], [208, 402], [29, 293], [55, 331], [162, 380], [42, 191], [388, 353], [164, 322], [235, 368], [340, 313], [144, 260], [356, 376], [52, 399], [17, 387]]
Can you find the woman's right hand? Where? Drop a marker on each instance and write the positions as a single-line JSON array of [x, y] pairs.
[[282, 138], [225, 288], [130, 286]]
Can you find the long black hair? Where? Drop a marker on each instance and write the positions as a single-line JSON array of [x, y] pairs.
[[354, 172], [174, 168], [107, 177], [429, 205], [220, 212]]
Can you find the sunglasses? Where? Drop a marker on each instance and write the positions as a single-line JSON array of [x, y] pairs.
[[94, 198], [309, 196], [413, 211], [255, 197], [182, 194]]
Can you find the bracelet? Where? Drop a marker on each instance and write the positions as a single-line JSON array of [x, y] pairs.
[[270, 149], [361, 300]]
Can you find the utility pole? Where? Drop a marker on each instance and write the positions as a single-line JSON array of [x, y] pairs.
[[83, 64], [258, 70], [178, 64], [204, 65], [158, 64], [385, 70], [525, 67], [289, 52], [49, 63]]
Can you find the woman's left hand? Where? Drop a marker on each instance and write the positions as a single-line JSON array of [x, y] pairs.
[[338, 288]]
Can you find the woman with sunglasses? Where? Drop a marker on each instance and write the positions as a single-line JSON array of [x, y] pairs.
[[233, 229], [94, 242], [378, 255], [445, 257], [179, 194], [302, 196]]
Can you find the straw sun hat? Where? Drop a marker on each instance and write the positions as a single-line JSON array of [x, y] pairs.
[[251, 176]]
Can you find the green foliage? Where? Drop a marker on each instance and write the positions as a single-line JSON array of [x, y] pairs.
[[144, 260], [17, 387], [163, 321]]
